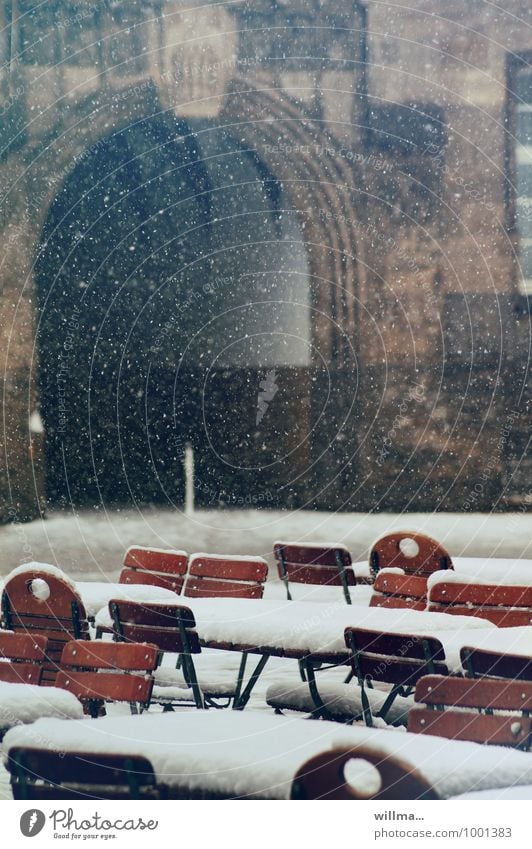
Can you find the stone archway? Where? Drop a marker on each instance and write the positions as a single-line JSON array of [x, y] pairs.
[[322, 185], [163, 308]]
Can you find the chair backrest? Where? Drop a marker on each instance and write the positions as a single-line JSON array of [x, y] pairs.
[[482, 662], [43, 774], [170, 627], [223, 576], [394, 658], [359, 773], [466, 709], [36, 601], [399, 591], [505, 606], [310, 563], [413, 552], [96, 672], [22, 657], [156, 567]]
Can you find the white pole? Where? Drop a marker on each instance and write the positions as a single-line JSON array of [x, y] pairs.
[[189, 479]]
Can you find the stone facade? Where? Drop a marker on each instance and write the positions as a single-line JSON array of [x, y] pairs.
[[387, 128]]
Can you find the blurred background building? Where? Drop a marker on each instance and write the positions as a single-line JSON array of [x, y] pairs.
[[296, 235]]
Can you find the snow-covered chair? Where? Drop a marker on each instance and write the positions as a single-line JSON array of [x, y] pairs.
[[399, 660], [127, 677], [482, 710], [315, 564], [159, 567], [22, 657], [172, 629], [43, 774], [359, 773], [505, 606], [40, 599], [225, 576], [412, 552]]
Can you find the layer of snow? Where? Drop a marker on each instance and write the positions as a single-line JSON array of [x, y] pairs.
[[317, 628], [24, 703], [496, 572], [97, 594], [250, 755], [359, 594], [91, 544], [46, 568], [240, 558], [342, 700]]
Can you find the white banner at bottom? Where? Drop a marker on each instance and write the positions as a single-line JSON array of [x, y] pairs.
[[299, 825]]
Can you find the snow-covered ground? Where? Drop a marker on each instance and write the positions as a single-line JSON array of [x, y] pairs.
[[91, 544]]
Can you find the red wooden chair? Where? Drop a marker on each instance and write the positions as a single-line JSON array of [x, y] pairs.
[[505, 606], [171, 628], [97, 672], [482, 710], [21, 657], [399, 591], [413, 552], [44, 774], [41, 602], [307, 563], [156, 567], [359, 773], [399, 660], [223, 576]]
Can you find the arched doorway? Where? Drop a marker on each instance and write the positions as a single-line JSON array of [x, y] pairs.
[[174, 307]]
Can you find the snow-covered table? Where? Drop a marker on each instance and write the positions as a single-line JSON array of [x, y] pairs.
[[312, 631], [97, 594], [23, 703], [255, 756]]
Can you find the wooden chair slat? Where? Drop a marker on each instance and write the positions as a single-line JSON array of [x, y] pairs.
[[40, 623], [414, 586], [151, 579], [227, 569], [482, 595], [154, 560], [210, 588], [496, 665], [153, 613], [402, 645], [311, 555], [22, 646], [100, 655], [318, 574], [392, 670], [98, 686], [474, 692], [397, 602], [165, 638], [20, 673], [501, 729]]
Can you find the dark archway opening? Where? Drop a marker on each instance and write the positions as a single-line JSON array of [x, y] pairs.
[[174, 307]]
